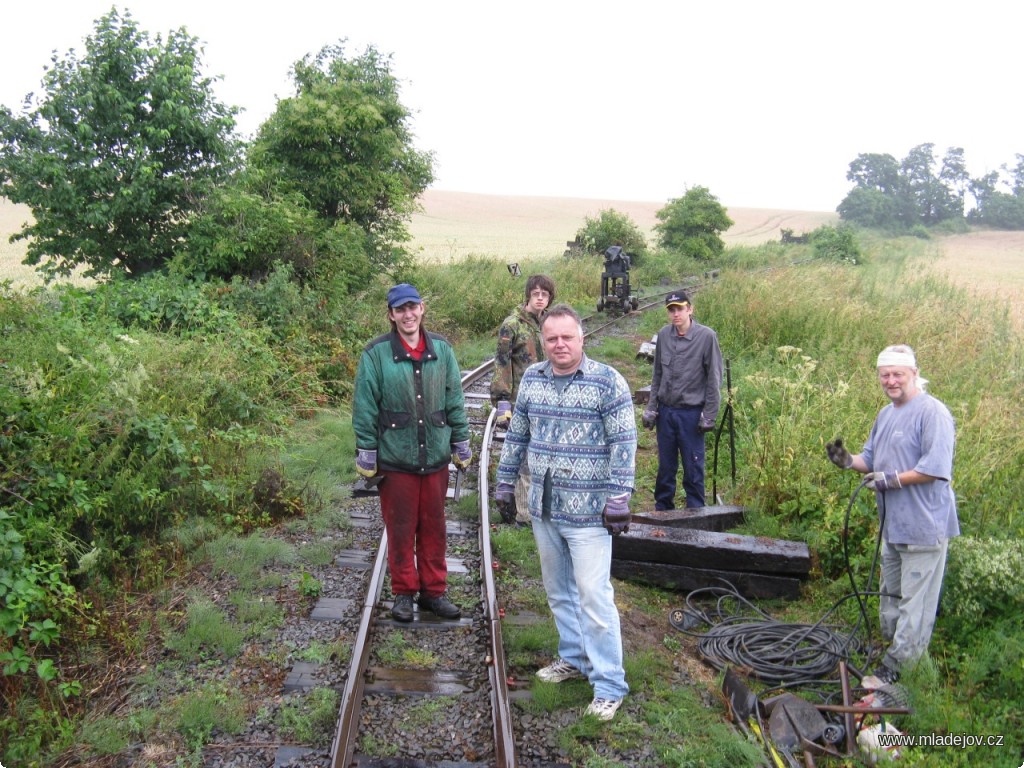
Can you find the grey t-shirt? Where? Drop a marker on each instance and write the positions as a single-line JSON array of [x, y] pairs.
[[918, 435]]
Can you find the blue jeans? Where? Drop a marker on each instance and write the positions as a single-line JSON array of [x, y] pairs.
[[576, 563], [679, 435]]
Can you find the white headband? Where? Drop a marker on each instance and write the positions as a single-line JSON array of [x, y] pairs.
[[904, 359]]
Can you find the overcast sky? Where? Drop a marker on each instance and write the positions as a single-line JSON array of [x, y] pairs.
[[764, 103]]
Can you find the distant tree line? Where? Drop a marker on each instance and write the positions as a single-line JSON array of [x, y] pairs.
[[918, 190]]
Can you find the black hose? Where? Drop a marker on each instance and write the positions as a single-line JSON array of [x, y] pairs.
[[781, 653]]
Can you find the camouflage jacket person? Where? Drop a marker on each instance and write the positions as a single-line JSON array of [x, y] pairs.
[[519, 347]]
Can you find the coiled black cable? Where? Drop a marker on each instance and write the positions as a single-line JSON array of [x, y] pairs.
[[780, 653]]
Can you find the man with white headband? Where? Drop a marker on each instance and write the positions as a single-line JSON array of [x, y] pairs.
[[908, 462]]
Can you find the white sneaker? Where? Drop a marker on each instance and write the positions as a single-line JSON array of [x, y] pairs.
[[604, 709], [559, 671]]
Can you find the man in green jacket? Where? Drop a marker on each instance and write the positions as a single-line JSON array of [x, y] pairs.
[[409, 419]]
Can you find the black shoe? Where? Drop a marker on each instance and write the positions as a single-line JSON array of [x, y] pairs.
[[402, 609], [440, 606]]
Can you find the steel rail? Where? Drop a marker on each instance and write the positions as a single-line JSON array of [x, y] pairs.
[[504, 740], [343, 747], [344, 744]]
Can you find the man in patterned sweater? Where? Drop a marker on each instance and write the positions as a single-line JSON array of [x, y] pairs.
[[573, 425]]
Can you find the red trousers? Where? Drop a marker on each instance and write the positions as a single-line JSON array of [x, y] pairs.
[[413, 511]]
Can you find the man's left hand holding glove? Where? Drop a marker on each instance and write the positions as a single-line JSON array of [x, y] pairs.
[[883, 481], [617, 516], [462, 455]]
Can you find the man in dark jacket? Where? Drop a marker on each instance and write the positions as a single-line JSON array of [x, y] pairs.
[[684, 400], [409, 419]]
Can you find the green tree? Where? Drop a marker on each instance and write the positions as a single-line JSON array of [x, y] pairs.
[[881, 197], [609, 228], [956, 178], [246, 229], [876, 171], [344, 143], [895, 194], [1016, 174], [1003, 211], [982, 189], [933, 200], [115, 156], [870, 208], [691, 225]]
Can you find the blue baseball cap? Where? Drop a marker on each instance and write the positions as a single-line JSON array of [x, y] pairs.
[[401, 294]]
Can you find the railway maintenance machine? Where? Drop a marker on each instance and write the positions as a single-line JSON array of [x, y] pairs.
[[616, 297]]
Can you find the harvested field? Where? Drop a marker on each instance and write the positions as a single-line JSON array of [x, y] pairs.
[[453, 225], [990, 264]]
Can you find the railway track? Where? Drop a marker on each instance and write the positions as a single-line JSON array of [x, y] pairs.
[[480, 684]]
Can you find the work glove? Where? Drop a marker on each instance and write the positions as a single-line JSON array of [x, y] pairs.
[[504, 409], [706, 424], [366, 462], [461, 454], [649, 419], [616, 515], [883, 481], [505, 499], [838, 454]]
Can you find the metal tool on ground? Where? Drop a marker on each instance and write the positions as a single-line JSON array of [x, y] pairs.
[[366, 486], [459, 474], [793, 730], [746, 711], [792, 719], [616, 296]]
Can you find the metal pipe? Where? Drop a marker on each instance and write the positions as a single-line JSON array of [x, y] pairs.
[[844, 679]]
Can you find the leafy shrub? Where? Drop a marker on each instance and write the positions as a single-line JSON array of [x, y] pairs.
[[983, 580], [836, 244], [611, 227], [691, 225]]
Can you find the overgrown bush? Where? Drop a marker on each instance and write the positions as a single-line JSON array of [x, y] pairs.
[[983, 583], [609, 228], [108, 436], [836, 244]]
